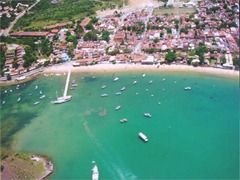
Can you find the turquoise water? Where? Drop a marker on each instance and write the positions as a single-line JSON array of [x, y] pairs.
[[192, 134]]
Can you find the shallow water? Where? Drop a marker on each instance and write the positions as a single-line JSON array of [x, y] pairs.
[[192, 134]]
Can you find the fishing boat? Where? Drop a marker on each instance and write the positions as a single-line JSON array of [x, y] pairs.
[[147, 115], [43, 96], [95, 173], [143, 136], [19, 99], [36, 103], [118, 93], [118, 107], [103, 87], [123, 88], [187, 88], [116, 79], [65, 97], [123, 120], [104, 95], [134, 82]]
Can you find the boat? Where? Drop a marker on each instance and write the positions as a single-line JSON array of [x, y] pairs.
[[36, 103], [123, 88], [74, 85], [3, 102], [143, 75], [73, 81], [58, 74], [30, 94], [163, 79], [19, 99], [43, 96], [143, 136], [10, 90], [134, 82], [95, 173], [147, 115], [17, 87], [116, 79], [71, 88], [65, 97], [123, 120], [104, 86], [118, 93], [36, 87], [150, 82], [40, 92], [118, 107], [104, 95], [187, 88], [46, 75]]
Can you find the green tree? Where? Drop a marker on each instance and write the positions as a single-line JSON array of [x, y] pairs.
[[15, 63], [105, 35], [170, 56], [72, 39], [9, 77], [90, 36], [78, 31], [155, 40]]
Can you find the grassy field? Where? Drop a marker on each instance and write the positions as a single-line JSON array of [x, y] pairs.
[[174, 11]]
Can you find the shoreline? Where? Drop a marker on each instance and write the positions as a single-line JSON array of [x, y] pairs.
[[104, 68]]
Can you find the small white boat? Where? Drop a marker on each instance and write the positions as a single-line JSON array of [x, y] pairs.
[[143, 75], [123, 120], [116, 79], [104, 86], [150, 82], [118, 107], [95, 173], [19, 99], [10, 90], [36, 87], [143, 136], [36, 103], [73, 81], [118, 93], [123, 88], [187, 88], [30, 94], [5, 91], [71, 88], [43, 96], [46, 75], [163, 79], [134, 82], [58, 74], [3, 102], [104, 95], [147, 115], [74, 85], [40, 92], [17, 87], [21, 78]]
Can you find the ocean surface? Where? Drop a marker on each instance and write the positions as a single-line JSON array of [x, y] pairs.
[[192, 134]]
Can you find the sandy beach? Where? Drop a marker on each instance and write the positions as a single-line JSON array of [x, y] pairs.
[[144, 68]]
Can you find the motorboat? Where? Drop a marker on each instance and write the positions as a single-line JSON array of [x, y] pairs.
[[74, 85], [36, 103], [143, 136], [36, 87], [17, 86], [134, 82], [116, 79], [19, 99], [95, 173], [118, 93], [43, 96], [73, 81], [103, 87], [75, 64], [3, 102], [150, 82], [143, 75], [104, 95], [118, 107], [187, 88], [147, 115], [123, 88], [62, 99], [123, 120], [40, 92], [30, 94]]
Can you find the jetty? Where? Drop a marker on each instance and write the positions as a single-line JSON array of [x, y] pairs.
[[65, 97]]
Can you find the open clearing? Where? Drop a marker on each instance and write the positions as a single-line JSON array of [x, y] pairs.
[[174, 11]]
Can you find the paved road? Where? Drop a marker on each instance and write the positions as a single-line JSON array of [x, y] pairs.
[[6, 32]]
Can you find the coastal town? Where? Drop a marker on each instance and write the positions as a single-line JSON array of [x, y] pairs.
[[207, 37]]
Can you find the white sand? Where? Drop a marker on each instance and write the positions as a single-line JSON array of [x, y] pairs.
[[144, 68]]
